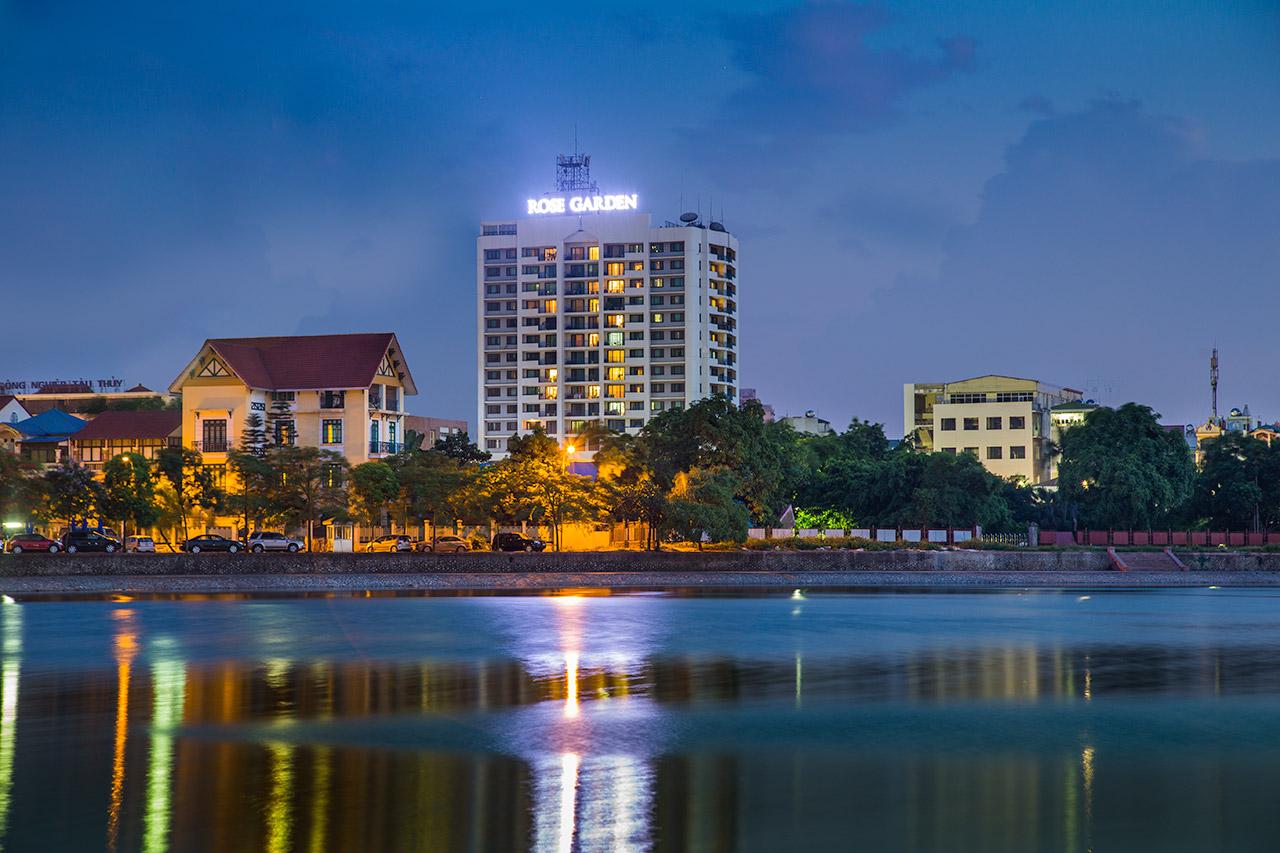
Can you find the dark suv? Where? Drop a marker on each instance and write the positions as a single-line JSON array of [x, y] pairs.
[[517, 542], [88, 540]]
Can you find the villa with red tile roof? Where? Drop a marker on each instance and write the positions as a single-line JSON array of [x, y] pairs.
[[344, 393]]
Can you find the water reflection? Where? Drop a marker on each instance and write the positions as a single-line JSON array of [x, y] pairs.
[[591, 732]]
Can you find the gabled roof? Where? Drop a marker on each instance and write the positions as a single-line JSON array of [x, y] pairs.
[[309, 362], [150, 424], [54, 423]]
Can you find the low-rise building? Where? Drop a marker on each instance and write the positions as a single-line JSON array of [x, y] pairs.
[[83, 401], [46, 438], [344, 393], [1003, 420], [808, 424], [433, 429], [114, 432]]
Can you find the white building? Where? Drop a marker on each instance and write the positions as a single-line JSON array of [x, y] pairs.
[[808, 424], [599, 317]]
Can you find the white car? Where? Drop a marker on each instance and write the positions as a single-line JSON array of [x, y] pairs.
[[260, 542], [447, 544], [140, 544]]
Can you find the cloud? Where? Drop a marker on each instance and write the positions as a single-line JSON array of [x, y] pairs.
[[1037, 104], [1111, 246], [893, 217], [814, 68]]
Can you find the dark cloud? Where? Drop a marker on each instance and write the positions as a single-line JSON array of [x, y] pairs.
[[1110, 246], [1037, 104], [893, 217], [815, 68]]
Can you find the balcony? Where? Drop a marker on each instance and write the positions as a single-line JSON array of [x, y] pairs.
[[384, 447], [219, 445]]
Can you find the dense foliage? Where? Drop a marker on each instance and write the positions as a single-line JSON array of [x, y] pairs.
[[705, 473]]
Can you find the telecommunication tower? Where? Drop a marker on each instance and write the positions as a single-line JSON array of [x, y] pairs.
[[1213, 381]]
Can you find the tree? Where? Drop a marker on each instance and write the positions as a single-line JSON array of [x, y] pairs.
[[458, 445], [191, 483], [703, 506], [22, 489], [310, 484], [280, 428], [253, 439], [258, 497], [129, 492], [373, 485], [72, 494], [1239, 483], [1121, 469], [432, 485]]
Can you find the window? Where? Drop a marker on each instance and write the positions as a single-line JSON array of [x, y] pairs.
[[949, 425], [214, 434], [286, 396], [995, 423], [615, 356], [613, 268], [331, 432], [970, 423], [284, 432], [1017, 422], [1018, 452], [971, 450], [995, 452], [950, 450], [334, 399]]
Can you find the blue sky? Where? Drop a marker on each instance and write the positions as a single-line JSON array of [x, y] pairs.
[[1087, 193]]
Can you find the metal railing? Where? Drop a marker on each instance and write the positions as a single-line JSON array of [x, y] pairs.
[[220, 445], [385, 446]]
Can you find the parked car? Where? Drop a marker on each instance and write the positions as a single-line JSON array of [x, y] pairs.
[[211, 542], [266, 541], [517, 542], [74, 541], [33, 542], [447, 544], [140, 544], [393, 543]]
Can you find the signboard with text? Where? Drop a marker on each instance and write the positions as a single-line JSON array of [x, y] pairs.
[[63, 386]]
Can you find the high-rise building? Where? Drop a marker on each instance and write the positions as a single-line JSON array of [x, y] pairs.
[[589, 313]]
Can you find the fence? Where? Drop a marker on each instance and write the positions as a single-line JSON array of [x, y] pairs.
[[1162, 538], [936, 535]]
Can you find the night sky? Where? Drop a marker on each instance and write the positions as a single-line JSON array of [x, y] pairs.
[[1085, 193]]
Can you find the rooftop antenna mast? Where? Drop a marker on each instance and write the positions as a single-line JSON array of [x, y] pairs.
[[573, 171], [1213, 381]]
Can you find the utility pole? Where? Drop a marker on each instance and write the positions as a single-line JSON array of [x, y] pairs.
[[1213, 381]]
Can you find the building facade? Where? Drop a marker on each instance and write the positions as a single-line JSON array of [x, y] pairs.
[[433, 429], [114, 432], [808, 424], [600, 318], [344, 393], [1003, 420]]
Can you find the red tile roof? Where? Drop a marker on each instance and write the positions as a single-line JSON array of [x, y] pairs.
[[149, 424], [299, 363], [4, 400]]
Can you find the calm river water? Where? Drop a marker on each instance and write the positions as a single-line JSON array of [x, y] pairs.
[[817, 721]]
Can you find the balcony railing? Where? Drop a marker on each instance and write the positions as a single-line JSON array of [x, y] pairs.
[[219, 445], [385, 446]]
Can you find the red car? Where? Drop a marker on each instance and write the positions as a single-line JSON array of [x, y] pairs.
[[32, 542]]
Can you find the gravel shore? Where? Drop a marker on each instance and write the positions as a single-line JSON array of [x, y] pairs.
[[285, 584]]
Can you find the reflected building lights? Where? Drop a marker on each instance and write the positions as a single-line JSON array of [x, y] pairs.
[[571, 708], [569, 763], [10, 668], [126, 646], [320, 800], [168, 679], [279, 801]]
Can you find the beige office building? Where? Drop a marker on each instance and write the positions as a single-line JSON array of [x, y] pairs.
[[1003, 420]]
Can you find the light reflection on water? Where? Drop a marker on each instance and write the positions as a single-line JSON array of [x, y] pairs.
[[946, 722]]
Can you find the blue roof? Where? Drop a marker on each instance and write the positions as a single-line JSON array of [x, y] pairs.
[[50, 424]]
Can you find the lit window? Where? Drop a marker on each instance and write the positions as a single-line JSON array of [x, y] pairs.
[[331, 432], [549, 307], [593, 305], [616, 320], [593, 253], [615, 285], [551, 392], [616, 374], [593, 339], [552, 374], [615, 356], [657, 317], [615, 390], [593, 391], [613, 268]]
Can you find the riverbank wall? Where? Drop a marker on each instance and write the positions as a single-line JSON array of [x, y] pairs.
[[728, 562]]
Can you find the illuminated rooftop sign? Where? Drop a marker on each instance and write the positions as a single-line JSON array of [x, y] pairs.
[[582, 203]]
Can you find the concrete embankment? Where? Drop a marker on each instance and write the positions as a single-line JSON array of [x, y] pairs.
[[263, 573]]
